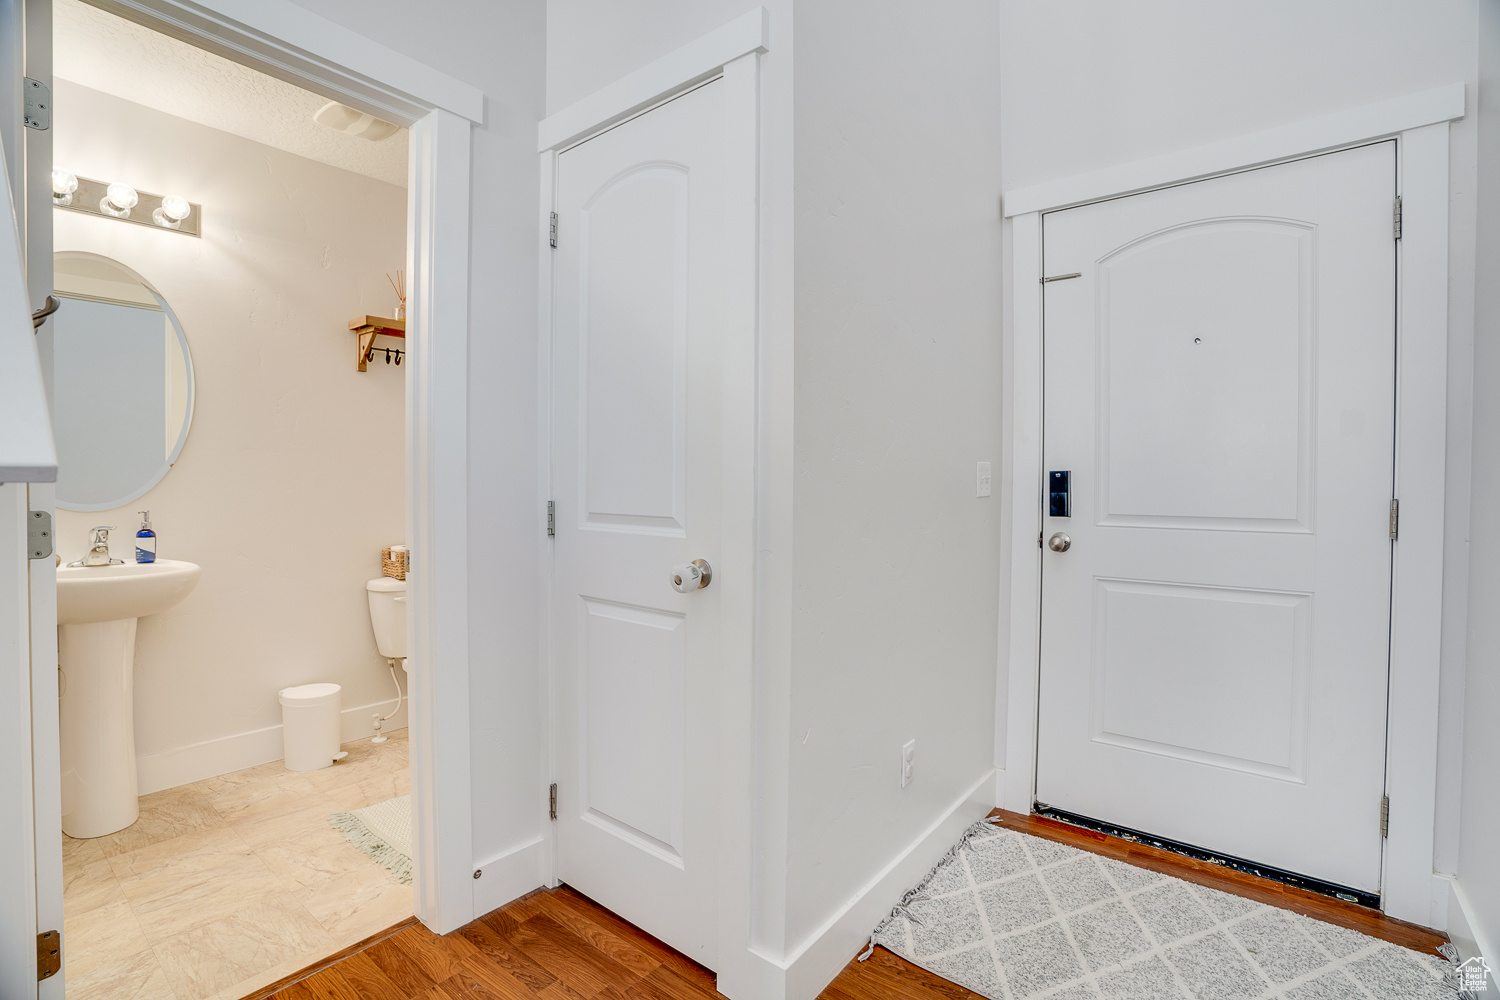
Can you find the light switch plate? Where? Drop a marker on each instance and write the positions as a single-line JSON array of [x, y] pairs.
[[982, 480], [908, 760]]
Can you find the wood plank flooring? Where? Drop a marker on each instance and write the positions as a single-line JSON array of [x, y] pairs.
[[559, 945]]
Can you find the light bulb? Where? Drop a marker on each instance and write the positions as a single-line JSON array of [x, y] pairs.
[[118, 200], [176, 207], [173, 210], [64, 183]]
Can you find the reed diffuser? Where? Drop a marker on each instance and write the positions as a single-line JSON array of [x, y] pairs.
[[398, 285]]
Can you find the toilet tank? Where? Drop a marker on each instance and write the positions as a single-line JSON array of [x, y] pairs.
[[388, 615]]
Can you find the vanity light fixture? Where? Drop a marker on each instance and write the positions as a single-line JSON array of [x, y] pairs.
[[118, 200], [64, 183], [174, 208]]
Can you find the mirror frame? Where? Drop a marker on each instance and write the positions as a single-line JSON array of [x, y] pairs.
[[192, 382]]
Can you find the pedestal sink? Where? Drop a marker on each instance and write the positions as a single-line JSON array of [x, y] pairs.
[[97, 608]]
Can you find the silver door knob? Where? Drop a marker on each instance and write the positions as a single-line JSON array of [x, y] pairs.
[[1059, 542], [692, 576]]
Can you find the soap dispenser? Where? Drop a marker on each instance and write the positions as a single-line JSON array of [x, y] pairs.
[[145, 540]]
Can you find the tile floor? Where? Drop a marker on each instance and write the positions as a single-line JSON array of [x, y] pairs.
[[230, 883]]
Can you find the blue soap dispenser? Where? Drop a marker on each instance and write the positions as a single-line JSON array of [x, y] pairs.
[[145, 540]]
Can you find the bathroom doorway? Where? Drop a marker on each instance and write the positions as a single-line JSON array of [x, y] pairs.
[[227, 374], [372, 773]]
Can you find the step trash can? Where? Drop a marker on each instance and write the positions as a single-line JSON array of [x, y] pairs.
[[310, 725]]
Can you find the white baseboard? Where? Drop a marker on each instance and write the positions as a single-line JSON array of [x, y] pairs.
[[814, 963], [184, 765], [1471, 940], [508, 876]]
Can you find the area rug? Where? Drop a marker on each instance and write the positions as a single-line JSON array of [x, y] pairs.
[[1012, 916], [383, 831]]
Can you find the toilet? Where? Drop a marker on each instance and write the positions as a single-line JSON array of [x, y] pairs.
[[388, 616]]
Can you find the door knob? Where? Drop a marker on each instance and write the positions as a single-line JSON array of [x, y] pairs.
[[1059, 542], [692, 576]]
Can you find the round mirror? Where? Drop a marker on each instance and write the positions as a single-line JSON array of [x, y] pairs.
[[122, 383]]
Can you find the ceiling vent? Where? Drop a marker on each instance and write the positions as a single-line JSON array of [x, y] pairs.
[[342, 118]]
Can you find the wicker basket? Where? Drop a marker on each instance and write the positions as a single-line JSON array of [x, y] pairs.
[[392, 564]]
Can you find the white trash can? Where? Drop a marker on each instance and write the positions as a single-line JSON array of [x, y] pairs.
[[310, 725]]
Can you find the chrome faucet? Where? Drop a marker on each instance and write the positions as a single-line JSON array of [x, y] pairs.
[[98, 549]]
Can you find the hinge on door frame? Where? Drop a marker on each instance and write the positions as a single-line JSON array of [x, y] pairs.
[[1396, 220], [1395, 518], [551, 518], [552, 800], [552, 232], [38, 534], [37, 112], [48, 955], [1385, 816]]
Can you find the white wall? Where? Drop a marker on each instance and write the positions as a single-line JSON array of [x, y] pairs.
[[1479, 857], [1095, 84], [291, 479], [499, 48], [880, 330], [896, 580]]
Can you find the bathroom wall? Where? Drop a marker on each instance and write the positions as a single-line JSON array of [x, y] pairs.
[[291, 479]]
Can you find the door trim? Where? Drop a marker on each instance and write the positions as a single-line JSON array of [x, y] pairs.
[[1419, 123], [284, 40], [731, 52]]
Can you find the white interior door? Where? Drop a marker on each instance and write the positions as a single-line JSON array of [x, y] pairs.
[[1219, 383], [30, 820], [637, 307]]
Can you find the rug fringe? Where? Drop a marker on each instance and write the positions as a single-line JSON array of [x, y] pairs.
[[919, 891], [354, 830], [1451, 977]]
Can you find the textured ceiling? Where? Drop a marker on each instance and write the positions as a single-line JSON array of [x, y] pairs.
[[119, 57]]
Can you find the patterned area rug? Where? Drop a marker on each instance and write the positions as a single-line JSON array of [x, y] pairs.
[[383, 831], [1013, 916]]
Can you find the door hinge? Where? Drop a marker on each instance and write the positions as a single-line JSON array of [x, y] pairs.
[[38, 110], [551, 518], [1395, 518], [39, 534], [552, 232], [48, 954], [1396, 219], [552, 801], [1385, 816]]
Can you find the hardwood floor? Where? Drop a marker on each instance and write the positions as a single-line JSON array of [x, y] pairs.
[[559, 945]]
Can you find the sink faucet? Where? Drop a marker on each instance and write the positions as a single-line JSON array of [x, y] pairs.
[[98, 549]]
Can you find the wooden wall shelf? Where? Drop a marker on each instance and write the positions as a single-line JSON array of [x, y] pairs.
[[367, 328]]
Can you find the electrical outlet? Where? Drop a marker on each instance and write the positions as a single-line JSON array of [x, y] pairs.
[[982, 480], [908, 758]]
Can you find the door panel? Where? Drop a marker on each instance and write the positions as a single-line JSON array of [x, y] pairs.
[[1220, 384], [1230, 446], [637, 304], [633, 333]]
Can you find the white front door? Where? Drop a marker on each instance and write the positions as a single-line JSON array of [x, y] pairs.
[[1219, 384], [637, 312]]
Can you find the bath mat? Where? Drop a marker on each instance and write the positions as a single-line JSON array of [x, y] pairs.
[[383, 831], [1011, 916]]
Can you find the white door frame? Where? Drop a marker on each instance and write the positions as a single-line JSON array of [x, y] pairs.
[[286, 41], [1419, 123], [733, 53]]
